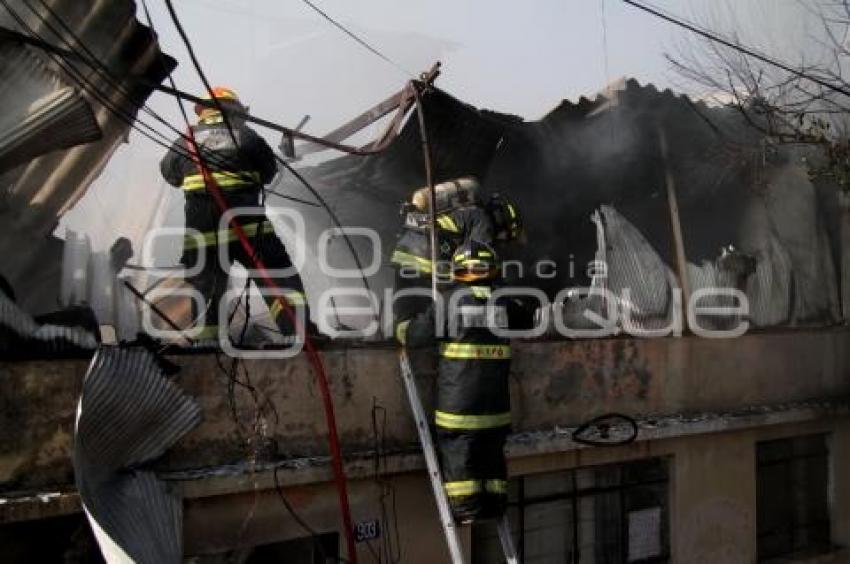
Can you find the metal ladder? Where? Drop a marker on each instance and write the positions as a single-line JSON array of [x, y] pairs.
[[450, 528]]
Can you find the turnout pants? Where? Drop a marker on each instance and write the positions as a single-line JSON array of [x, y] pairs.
[[211, 281], [474, 472]]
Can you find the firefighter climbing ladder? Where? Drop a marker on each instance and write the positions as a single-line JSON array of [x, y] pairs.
[[450, 528]]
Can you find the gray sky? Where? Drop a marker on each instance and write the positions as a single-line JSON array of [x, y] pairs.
[[514, 57]]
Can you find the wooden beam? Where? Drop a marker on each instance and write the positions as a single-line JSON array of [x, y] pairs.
[[675, 223]]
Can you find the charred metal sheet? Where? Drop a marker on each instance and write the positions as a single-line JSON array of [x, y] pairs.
[[21, 336], [367, 191], [129, 415], [58, 118], [603, 152], [39, 191], [635, 266]]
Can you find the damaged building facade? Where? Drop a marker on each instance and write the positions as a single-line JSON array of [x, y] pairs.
[[742, 451]]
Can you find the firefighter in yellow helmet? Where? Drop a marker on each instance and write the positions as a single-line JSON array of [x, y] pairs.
[[473, 413], [241, 163]]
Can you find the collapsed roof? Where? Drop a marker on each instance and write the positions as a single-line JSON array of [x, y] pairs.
[[732, 190], [560, 169], [61, 121]]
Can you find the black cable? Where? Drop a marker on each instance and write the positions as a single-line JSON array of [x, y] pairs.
[[293, 198], [603, 429], [257, 248], [738, 47], [225, 118], [336, 222], [385, 487], [188, 124], [157, 311], [129, 119], [65, 54], [185, 154], [88, 86], [362, 42], [104, 71], [196, 63], [231, 374], [162, 61]]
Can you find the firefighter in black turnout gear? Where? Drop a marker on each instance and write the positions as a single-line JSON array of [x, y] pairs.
[[240, 170], [460, 218], [473, 413]]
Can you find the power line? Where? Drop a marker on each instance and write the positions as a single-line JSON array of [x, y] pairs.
[[63, 57], [197, 64], [75, 75], [39, 42], [336, 222], [162, 60], [737, 47], [90, 57], [604, 23], [91, 60], [352, 35]]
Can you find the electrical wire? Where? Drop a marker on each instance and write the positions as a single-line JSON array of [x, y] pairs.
[[373, 148], [390, 541], [362, 42], [337, 223], [95, 63], [604, 23], [170, 78], [91, 61], [188, 125], [225, 118], [74, 74], [603, 425], [197, 64], [128, 118], [711, 36]]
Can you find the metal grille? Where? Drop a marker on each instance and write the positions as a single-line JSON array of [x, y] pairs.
[[607, 514], [792, 497]]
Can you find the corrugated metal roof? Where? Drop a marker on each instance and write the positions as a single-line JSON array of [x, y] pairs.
[[37, 193], [583, 155], [21, 335], [130, 413], [58, 120]]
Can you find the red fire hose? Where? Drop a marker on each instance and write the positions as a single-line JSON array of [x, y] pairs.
[[315, 360]]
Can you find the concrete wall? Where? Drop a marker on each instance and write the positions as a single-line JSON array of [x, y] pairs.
[[712, 499], [553, 383]]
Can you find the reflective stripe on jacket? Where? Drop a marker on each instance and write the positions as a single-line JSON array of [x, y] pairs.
[[464, 488], [224, 180], [473, 391], [212, 238], [413, 245]]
